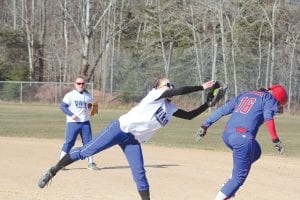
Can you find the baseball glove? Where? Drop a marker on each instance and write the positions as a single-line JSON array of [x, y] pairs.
[[93, 108], [215, 94], [200, 133]]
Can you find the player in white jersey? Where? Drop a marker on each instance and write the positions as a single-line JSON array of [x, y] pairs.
[[131, 129], [74, 105]]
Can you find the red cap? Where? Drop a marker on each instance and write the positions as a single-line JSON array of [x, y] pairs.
[[279, 93]]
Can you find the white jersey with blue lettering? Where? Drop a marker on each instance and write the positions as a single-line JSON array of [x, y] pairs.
[[149, 115], [78, 105]]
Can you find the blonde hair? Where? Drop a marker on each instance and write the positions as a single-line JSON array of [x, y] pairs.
[[159, 82], [81, 77]]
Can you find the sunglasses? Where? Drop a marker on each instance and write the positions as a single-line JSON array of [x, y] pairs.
[[169, 85], [80, 83]]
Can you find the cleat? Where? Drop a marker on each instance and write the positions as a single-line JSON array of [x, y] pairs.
[[44, 180], [92, 166]]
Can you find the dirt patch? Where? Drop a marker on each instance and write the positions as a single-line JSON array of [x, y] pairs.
[[173, 174]]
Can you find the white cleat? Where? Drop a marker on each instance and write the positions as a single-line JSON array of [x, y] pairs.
[[92, 166]]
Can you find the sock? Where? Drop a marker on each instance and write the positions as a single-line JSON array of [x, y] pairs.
[[62, 154], [66, 160], [145, 194], [221, 196], [90, 159]]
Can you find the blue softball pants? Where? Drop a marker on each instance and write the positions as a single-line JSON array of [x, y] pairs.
[[246, 151], [110, 136], [72, 131]]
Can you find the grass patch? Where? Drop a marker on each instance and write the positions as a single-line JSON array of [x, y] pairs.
[[47, 121]]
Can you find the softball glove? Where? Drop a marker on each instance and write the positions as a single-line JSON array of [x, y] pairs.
[[93, 108]]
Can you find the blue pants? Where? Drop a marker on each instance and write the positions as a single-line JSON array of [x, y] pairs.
[[72, 131], [109, 137], [246, 151]]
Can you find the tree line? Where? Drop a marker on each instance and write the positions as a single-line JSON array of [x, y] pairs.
[[122, 46]]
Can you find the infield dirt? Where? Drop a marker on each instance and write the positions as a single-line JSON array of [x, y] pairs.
[[173, 174]]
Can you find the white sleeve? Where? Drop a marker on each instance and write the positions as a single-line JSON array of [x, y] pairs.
[[67, 99]]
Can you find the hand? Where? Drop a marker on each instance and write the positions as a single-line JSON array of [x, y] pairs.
[[200, 133], [74, 117], [208, 84], [279, 147]]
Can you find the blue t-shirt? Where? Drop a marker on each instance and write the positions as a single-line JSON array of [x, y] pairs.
[[248, 111]]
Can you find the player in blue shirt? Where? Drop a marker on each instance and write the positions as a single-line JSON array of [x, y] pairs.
[[248, 112]]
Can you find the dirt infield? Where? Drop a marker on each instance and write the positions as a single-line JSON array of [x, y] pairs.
[[174, 174]]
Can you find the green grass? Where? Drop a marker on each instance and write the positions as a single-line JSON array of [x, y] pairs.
[[47, 121]]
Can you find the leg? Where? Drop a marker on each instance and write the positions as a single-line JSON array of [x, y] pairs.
[[244, 150], [133, 152], [72, 130], [145, 194], [256, 151], [110, 136], [86, 136]]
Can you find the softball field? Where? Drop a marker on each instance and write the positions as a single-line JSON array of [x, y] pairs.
[[173, 174]]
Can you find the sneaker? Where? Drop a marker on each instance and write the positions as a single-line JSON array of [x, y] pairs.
[[92, 166], [44, 180]]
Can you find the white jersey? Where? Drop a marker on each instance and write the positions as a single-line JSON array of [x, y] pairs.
[[149, 115], [78, 105]]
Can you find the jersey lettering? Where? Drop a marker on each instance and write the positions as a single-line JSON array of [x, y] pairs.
[[258, 93], [161, 116], [80, 104], [245, 105]]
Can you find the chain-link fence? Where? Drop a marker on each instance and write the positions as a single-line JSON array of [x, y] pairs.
[[53, 93], [36, 92]]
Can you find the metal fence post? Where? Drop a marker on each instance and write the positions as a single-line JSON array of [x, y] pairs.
[[21, 93], [56, 93]]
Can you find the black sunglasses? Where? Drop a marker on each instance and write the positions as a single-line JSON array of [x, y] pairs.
[[169, 85], [80, 83]]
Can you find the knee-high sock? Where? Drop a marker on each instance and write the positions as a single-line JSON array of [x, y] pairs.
[[145, 194], [66, 160]]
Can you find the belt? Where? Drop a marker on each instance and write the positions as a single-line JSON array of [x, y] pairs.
[[240, 130]]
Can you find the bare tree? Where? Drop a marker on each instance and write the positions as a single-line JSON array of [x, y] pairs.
[[88, 28], [224, 42], [28, 19], [292, 55], [198, 65], [272, 24]]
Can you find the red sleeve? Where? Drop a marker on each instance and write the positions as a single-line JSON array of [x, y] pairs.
[[271, 129]]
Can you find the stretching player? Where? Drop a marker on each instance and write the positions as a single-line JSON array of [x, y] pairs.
[[75, 106], [248, 111], [133, 128]]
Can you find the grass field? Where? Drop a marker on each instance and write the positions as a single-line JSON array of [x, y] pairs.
[[47, 121]]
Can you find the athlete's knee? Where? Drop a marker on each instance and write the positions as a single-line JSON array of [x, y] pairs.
[[76, 155]]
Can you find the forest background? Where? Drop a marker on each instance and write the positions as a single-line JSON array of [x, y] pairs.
[[123, 46]]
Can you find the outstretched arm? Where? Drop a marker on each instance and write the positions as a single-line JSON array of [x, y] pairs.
[[190, 114], [180, 91], [186, 90], [220, 112]]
